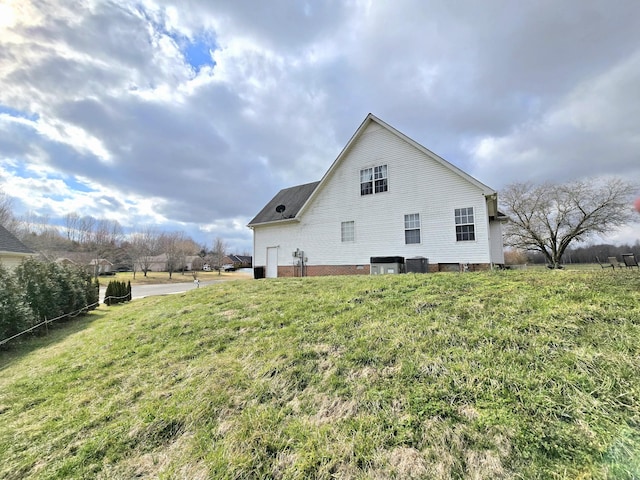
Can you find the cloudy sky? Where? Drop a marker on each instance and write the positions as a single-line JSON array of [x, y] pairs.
[[191, 115]]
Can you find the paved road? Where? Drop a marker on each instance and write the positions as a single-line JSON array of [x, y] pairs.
[[141, 291]]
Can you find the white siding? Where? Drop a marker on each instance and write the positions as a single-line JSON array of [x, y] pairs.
[[497, 245], [416, 184], [283, 237]]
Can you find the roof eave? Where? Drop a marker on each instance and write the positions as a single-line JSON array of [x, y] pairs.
[[14, 253], [486, 190], [274, 222], [369, 118]]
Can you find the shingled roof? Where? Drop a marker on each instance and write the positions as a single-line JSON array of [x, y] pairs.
[[10, 244], [293, 198]]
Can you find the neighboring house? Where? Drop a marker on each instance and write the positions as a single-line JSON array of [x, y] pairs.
[[238, 261], [384, 196], [12, 250], [193, 262], [159, 263], [99, 266], [65, 262], [91, 265]]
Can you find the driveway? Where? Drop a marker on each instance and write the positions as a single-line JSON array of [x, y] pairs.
[[141, 291]]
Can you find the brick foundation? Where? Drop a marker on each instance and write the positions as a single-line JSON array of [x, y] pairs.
[[322, 270]]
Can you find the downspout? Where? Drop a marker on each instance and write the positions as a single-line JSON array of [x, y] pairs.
[[253, 242]]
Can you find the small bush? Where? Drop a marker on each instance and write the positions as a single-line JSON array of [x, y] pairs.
[[117, 292]]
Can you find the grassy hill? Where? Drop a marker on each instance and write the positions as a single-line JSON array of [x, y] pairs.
[[514, 374]]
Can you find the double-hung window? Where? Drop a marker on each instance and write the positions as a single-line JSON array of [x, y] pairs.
[[373, 180], [412, 228], [348, 231], [465, 226]]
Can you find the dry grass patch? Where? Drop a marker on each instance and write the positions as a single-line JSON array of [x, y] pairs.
[[407, 463], [332, 409]]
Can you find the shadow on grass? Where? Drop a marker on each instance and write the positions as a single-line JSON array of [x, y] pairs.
[[45, 336]]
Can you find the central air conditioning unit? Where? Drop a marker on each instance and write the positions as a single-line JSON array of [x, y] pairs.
[[386, 265], [417, 265]]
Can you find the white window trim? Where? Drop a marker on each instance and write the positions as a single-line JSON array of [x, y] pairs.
[[353, 231], [372, 168], [473, 224], [412, 228]]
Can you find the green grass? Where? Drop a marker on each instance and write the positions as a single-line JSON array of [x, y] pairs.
[[515, 374]]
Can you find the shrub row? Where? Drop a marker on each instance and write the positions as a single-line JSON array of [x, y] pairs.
[[39, 290], [117, 292]]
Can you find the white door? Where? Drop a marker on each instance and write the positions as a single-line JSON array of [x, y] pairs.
[[272, 262]]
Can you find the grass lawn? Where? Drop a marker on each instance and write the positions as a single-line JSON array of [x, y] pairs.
[[516, 374]]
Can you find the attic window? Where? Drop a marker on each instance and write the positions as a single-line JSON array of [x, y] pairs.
[[373, 180]]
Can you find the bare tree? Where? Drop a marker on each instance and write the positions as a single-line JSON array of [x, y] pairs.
[[6, 212], [37, 233], [103, 240], [218, 252], [71, 226], [86, 226], [186, 248], [547, 218], [144, 246], [171, 245], [106, 233]]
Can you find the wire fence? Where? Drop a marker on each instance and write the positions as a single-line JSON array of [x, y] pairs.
[[74, 314]]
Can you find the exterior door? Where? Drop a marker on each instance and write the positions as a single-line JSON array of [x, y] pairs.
[[272, 262]]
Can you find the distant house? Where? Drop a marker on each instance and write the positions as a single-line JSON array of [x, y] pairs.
[[386, 198], [159, 263], [99, 266], [238, 261], [65, 262], [12, 250]]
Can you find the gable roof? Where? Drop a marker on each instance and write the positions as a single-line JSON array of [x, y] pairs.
[[371, 118], [10, 244], [293, 198], [239, 258], [99, 261], [303, 195]]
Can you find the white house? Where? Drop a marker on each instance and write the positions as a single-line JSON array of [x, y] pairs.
[[160, 263], [99, 266], [384, 196], [12, 250]]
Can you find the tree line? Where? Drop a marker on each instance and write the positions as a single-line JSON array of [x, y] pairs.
[[583, 254], [89, 239]]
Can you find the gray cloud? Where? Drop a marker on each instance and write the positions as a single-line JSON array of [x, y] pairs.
[[507, 91]]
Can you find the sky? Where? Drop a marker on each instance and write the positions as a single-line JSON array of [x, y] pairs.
[[191, 115]]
